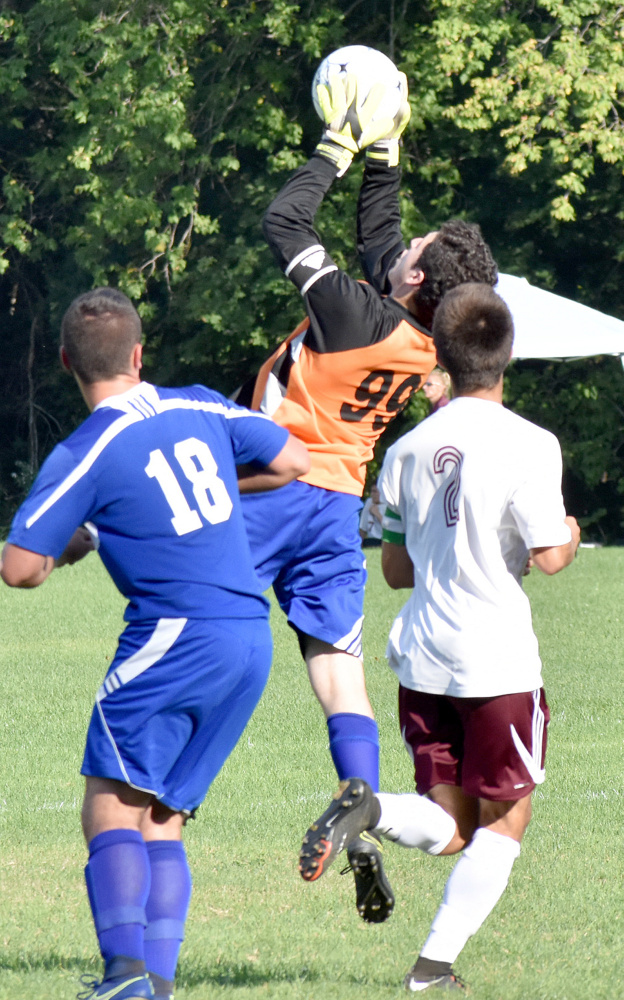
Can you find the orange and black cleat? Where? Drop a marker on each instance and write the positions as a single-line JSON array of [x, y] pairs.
[[352, 810]]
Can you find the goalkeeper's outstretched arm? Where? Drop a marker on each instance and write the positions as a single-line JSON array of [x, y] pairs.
[[379, 237], [288, 224]]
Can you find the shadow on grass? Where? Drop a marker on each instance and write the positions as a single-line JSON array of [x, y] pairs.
[[248, 974], [50, 962], [242, 975]]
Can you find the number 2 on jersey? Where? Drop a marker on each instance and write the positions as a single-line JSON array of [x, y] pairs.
[[448, 461], [199, 467]]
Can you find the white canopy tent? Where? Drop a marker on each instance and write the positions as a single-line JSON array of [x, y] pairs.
[[551, 327]]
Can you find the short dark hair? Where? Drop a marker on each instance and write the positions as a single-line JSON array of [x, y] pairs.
[[98, 332], [459, 254], [473, 335]]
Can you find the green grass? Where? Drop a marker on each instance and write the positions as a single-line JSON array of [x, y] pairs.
[[255, 929]]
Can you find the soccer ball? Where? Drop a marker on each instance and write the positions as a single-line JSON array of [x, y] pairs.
[[369, 66]]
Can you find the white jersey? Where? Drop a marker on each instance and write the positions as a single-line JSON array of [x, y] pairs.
[[469, 491]]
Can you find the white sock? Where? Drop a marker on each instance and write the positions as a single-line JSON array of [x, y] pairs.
[[473, 889], [415, 821]]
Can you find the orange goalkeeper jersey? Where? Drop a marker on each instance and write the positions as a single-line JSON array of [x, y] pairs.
[[350, 367], [339, 403]]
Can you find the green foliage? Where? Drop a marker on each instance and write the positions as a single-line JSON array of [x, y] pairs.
[[141, 143], [581, 402]]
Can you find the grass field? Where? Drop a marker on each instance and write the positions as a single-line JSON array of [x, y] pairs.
[[255, 929]]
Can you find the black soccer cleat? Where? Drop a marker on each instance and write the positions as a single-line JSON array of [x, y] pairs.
[[353, 809], [374, 898], [426, 974]]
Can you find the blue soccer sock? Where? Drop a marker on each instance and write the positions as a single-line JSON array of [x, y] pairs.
[[167, 906], [118, 881], [354, 746]]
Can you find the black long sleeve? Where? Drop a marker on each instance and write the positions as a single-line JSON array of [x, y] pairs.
[[379, 223]]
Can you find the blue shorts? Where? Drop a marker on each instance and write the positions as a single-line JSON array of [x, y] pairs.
[[174, 703], [305, 542]]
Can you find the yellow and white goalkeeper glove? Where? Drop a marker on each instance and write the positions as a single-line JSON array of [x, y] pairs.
[[338, 144], [354, 123], [381, 138]]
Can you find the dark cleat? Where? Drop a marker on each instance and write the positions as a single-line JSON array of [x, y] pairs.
[[427, 974], [353, 809], [374, 896]]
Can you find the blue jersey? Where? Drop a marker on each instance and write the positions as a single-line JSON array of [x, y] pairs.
[[155, 470]]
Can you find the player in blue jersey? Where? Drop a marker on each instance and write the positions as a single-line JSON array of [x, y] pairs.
[[156, 472]]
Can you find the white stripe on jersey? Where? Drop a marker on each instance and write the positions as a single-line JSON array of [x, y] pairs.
[[144, 399], [160, 642], [140, 403], [143, 406], [83, 467], [273, 397], [198, 404], [309, 251], [274, 391], [315, 277]]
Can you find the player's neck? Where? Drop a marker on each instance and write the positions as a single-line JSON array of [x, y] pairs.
[[493, 395], [410, 302], [98, 391]]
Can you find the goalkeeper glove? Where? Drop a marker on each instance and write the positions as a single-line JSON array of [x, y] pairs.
[[382, 138], [335, 98], [352, 125]]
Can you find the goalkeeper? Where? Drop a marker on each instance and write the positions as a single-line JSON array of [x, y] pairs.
[[336, 382]]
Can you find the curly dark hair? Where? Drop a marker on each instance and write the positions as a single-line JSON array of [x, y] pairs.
[[459, 254]]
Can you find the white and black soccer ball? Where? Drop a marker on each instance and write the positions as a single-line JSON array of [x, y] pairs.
[[369, 66]]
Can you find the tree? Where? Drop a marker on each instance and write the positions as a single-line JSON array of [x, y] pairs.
[[141, 143]]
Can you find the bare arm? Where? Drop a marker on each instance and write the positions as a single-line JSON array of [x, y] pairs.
[[397, 567], [292, 461], [555, 558], [23, 568]]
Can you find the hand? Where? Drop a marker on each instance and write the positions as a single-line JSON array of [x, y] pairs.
[[573, 525], [383, 147], [79, 545], [352, 124], [382, 129], [335, 98], [529, 566]]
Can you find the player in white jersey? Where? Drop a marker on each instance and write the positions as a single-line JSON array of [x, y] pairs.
[[473, 497], [156, 474]]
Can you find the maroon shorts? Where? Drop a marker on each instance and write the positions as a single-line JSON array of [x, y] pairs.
[[493, 748]]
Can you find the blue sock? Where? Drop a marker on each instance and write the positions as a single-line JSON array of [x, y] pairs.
[[118, 881], [354, 746], [167, 906]]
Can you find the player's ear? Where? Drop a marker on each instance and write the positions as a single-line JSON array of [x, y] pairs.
[[137, 357], [64, 359], [415, 277]]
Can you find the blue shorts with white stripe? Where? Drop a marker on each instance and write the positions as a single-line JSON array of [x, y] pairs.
[[305, 542], [174, 703]]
